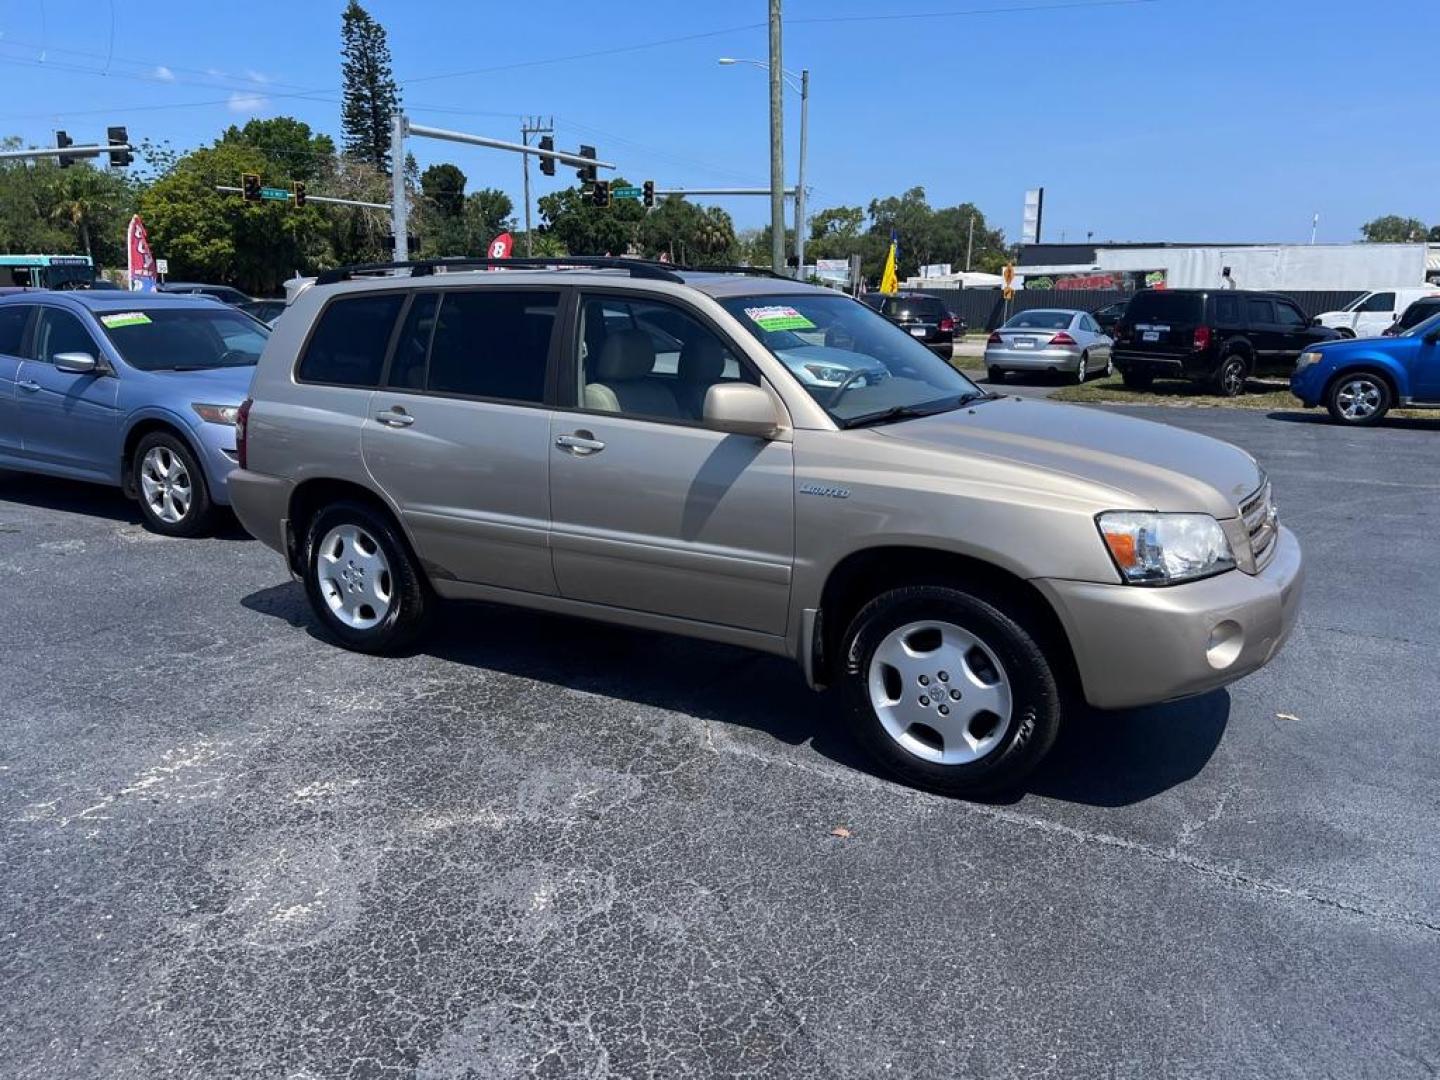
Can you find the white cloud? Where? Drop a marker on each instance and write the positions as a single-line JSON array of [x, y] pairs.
[[164, 74], [247, 102], [258, 77]]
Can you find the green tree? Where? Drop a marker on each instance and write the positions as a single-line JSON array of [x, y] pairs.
[[289, 146], [443, 186], [1393, 229], [689, 234], [589, 230], [487, 213], [369, 93], [356, 234], [92, 205], [26, 194]]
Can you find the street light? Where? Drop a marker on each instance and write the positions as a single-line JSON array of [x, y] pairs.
[[801, 84]]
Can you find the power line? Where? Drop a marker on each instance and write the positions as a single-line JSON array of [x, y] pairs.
[[961, 12]]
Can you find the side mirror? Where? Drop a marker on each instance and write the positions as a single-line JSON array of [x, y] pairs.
[[76, 363], [1316, 321], [741, 409]]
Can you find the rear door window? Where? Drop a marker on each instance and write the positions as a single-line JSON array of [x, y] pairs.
[[492, 343], [1159, 306], [412, 348], [349, 343], [12, 328], [1227, 310], [1260, 312]]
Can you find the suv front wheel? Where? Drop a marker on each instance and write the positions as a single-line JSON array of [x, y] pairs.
[[1359, 399], [949, 692], [361, 580]]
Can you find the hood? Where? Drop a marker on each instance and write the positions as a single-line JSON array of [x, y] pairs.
[[1146, 465], [224, 385]]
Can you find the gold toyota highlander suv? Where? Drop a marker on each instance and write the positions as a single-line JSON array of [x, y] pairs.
[[747, 459]]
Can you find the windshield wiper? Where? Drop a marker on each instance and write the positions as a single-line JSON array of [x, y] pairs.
[[912, 412]]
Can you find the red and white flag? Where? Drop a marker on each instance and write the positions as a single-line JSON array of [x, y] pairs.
[[140, 261]]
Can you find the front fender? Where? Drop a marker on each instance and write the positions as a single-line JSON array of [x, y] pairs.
[[212, 444]]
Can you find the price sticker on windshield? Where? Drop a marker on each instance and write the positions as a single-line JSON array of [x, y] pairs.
[[778, 317], [124, 318]]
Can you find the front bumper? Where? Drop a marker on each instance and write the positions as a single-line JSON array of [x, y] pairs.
[[1138, 646], [1032, 359]]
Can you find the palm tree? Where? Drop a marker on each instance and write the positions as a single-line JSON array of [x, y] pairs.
[[83, 197]]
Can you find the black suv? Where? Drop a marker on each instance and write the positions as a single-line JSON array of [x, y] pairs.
[[1221, 337], [1414, 315], [926, 317]]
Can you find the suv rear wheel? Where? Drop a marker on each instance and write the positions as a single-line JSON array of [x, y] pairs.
[[947, 691], [361, 580], [1358, 398], [1231, 375]]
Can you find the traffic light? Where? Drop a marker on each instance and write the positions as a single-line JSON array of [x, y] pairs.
[[118, 136], [648, 194], [547, 164], [61, 142], [586, 173], [299, 194], [250, 186], [600, 193]]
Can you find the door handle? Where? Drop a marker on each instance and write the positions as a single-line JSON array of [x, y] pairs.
[[395, 418], [581, 444], [28, 384]]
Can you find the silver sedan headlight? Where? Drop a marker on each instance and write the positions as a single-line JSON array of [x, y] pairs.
[[1165, 549]]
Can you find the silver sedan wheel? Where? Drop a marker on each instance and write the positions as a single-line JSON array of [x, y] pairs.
[[165, 484], [1082, 368], [354, 577], [1358, 398], [940, 692]]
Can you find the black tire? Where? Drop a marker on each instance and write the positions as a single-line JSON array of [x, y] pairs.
[[1035, 695], [1082, 370], [410, 602], [1138, 380], [1230, 376], [995, 375], [1376, 394], [1346, 332], [199, 510]]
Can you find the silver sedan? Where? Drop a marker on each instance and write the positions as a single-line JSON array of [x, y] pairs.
[[1049, 339]]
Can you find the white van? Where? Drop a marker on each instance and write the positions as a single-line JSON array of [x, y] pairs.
[[1371, 314]]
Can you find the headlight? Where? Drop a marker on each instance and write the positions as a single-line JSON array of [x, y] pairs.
[[216, 414], [827, 372], [1306, 359], [1164, 549]]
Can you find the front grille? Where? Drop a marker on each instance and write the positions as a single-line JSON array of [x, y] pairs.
[[1261, 523]]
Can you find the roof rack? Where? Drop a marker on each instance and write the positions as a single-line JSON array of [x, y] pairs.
[[638, 268], [750, 271]]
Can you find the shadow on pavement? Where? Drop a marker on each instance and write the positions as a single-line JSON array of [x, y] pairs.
[[1101, 759], [94, 500], [1320, 416]]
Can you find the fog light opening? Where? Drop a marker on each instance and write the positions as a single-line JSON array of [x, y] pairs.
[[1226, 641]]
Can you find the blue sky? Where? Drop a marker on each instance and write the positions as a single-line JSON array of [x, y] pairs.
[[1218, 120]]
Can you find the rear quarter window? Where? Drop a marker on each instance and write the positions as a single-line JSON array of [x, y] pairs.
[[347, 347]]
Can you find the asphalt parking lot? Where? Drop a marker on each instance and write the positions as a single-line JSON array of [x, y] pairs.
[[542, 847]]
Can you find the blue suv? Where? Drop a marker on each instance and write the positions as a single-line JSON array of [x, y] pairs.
[[135, 390], [1360, 380]]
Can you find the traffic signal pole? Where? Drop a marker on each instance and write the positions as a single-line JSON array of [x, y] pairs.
[[315, 198], [68, 152], [401, 127]]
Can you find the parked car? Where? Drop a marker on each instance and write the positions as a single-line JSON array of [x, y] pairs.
[[1359, 381], [267, 311], [1221, 337], [137, 390], [1369, 315], [1414, 315], [224, 293], [925, 318], [1048, 339], [1107, 316], [964, 567]]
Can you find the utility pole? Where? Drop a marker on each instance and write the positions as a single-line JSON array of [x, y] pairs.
[[800, 179], [970, 244], [777, 145], [399, 222], [531, 126]]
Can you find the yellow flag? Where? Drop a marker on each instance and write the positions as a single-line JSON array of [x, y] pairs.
[[889, 282]]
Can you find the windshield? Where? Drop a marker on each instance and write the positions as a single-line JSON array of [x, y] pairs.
[[162, 339], [1421, 329], [1039, 320], [921, 306], [1417, 313], [853, 361]]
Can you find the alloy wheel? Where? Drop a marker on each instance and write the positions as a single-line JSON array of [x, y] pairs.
[[940, 692], [354, 577], [1358, 398], [165, 484]]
